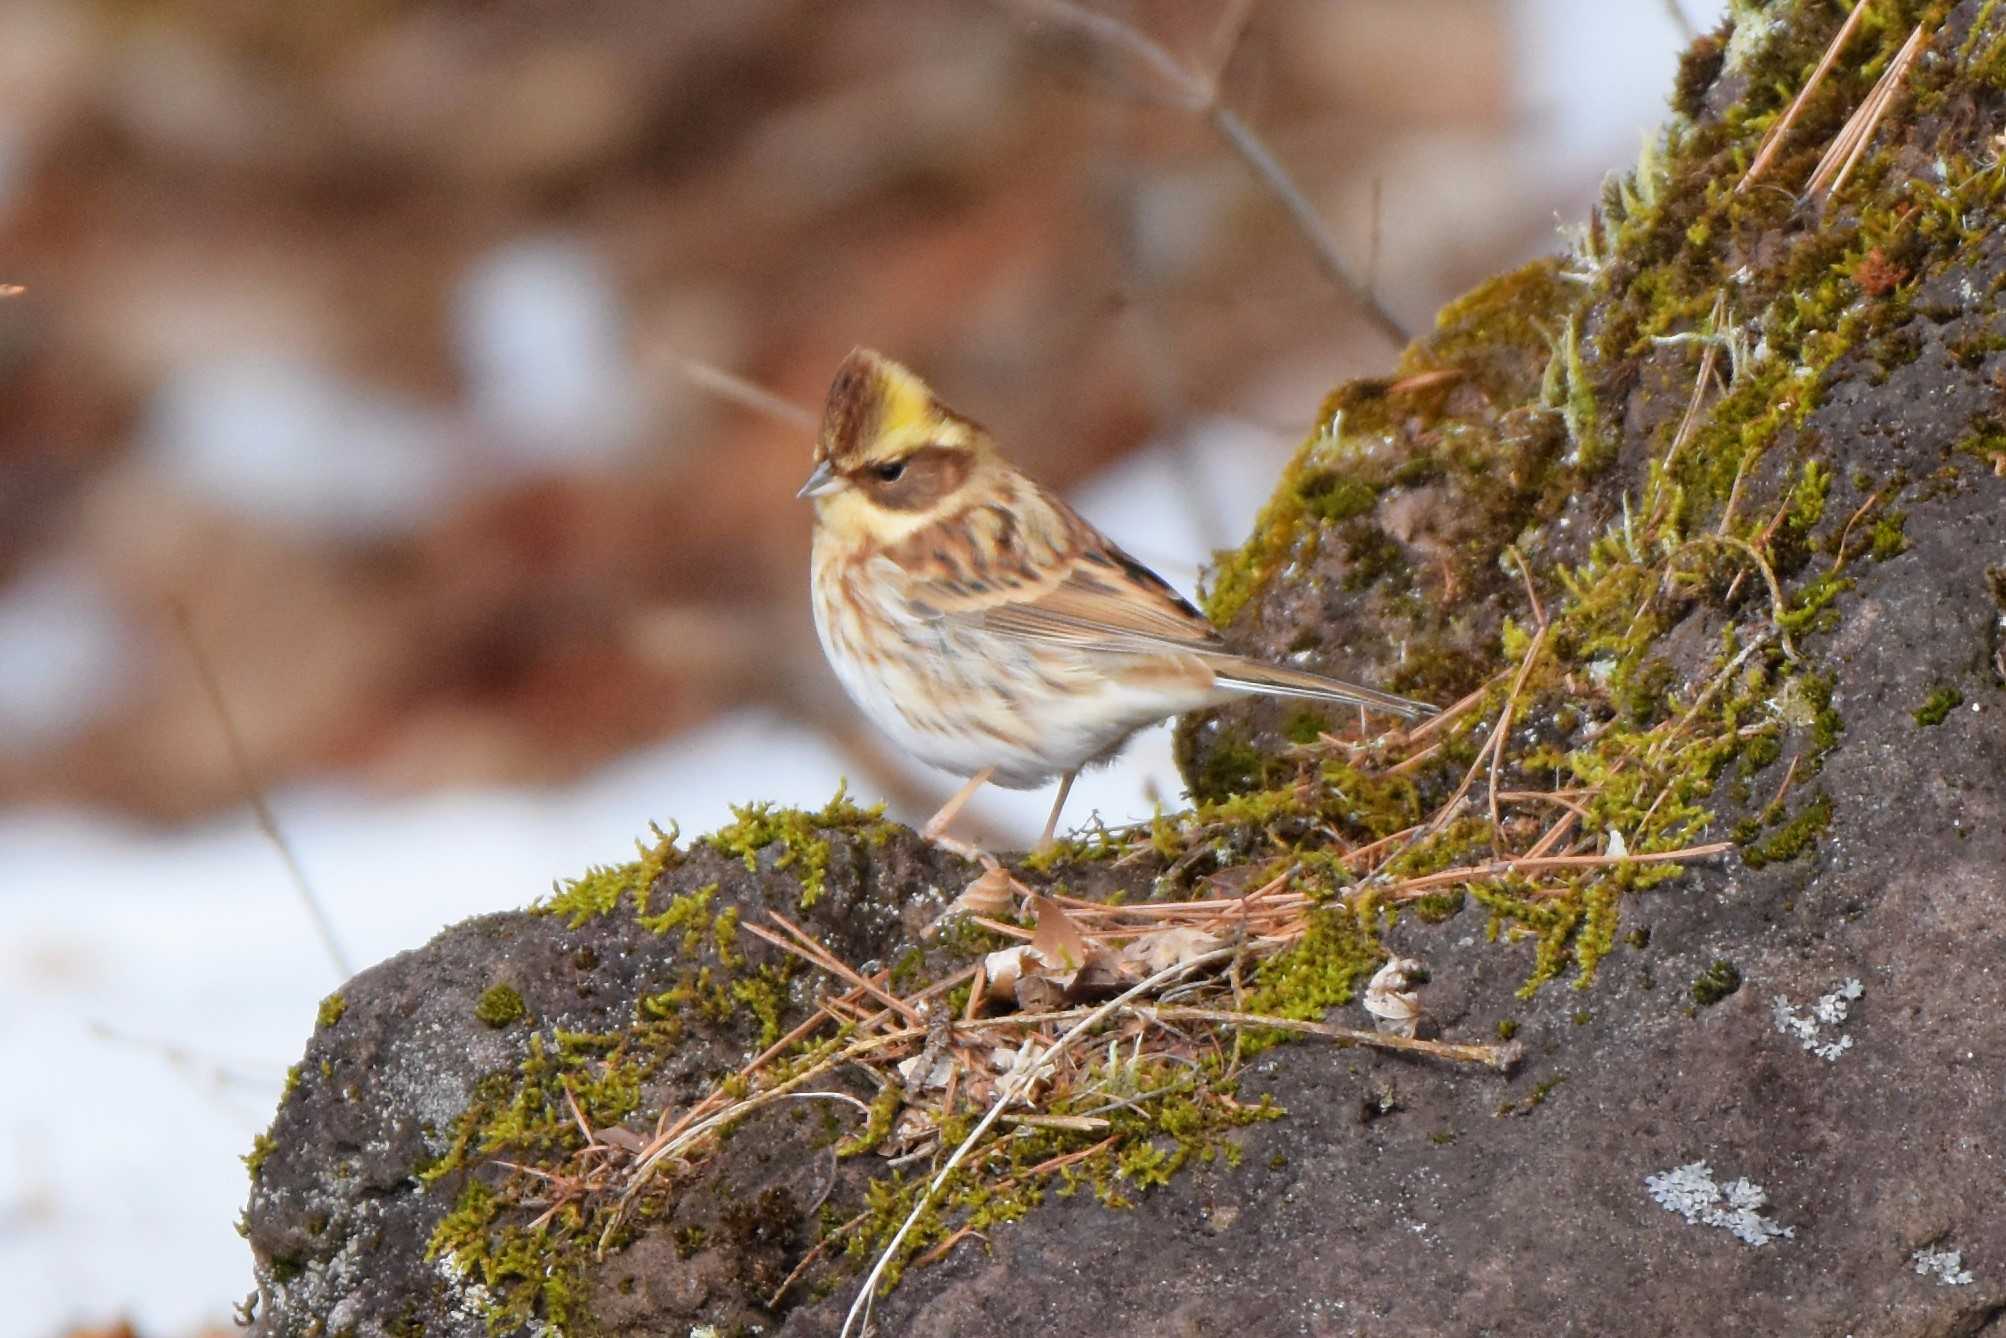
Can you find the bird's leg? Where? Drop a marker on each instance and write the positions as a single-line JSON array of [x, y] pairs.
[[935, 831], [1052, 823]]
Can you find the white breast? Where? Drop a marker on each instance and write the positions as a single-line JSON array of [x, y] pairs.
[[963, 699]]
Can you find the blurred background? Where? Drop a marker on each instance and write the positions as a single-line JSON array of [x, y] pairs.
[[433, 371]]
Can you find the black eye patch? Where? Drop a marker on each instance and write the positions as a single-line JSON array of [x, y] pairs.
[[918, 481]]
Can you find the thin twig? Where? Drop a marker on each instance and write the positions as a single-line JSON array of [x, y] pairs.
[[746, 394], [1773, 141], [1531, 594], [1709, 357], [814, 1254], [1199, 95], [1679, 20], [1499, 1057], [1484, 873], [1789, 775], [254, 793], [840, 969]]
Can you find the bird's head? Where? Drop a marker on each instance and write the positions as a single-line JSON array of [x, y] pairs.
[[890, 457]]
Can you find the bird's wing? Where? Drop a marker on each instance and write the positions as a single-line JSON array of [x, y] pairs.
[[1036, 572]]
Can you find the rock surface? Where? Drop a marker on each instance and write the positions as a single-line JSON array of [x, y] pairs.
[[1722, 1026]]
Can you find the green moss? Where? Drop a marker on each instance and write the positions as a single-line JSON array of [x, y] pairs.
[[1536, 1098], [1889, 539], [602, 889], [1793, 838], [262, 1147], [803, 848], [331, 1009], [1506, 1029], [1715, 983], [1807, 497], [1231, 765], [530, 1277], [1320, 971], [765, 994], [724, 936], [1699, 66], [1333, 498], [1939, 704], [1438, 907], [1641, 737], [1495, 339], [499, 1006], [687, 914]]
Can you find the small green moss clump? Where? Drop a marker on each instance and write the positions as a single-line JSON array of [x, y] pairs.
[[1321, 970], [331, 1009], [804, 849], [261, 1147], [1715, 983], [1889, 538], [580, 900], [1793, 838], [1938, 706], [500, 1005], [688, 913]]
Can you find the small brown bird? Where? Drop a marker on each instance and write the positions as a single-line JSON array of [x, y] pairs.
[[980, 622]]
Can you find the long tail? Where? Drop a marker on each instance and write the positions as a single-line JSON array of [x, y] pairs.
[[1243, 675]]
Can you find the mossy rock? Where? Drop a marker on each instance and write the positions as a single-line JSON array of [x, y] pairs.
[[1744, 621]]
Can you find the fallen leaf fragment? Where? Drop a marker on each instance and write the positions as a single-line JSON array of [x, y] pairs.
[[1003, 967], [1163, 948], [1056, 938], [1391, 998]]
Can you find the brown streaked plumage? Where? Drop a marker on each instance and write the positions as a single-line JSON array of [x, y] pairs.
[[979, 621]]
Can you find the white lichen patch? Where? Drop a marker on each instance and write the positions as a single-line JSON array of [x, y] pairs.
[[1753, 27], [1946, 1266], [1690, 1192], [1819, 1031]]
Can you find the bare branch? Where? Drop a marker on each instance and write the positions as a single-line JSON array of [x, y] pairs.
[[254, 794], [1200, 95]]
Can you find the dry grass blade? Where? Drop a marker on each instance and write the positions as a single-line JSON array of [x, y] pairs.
[[1839, 549], [1019, 1079], [1689, 423], [1779, 608], [1496, 739], [1852, 140], [834, 1234], [1773, 141]]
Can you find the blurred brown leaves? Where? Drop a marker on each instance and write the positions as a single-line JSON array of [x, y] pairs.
[[765, 183]]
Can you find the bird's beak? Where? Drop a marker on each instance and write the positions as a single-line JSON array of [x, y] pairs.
[[822, 482]]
